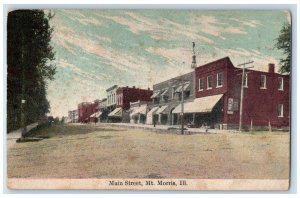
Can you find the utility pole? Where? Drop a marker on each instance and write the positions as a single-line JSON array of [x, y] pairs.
[[242, 92], [182, 110]]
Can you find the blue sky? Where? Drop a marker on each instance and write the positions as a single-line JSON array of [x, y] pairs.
[[96, 49]]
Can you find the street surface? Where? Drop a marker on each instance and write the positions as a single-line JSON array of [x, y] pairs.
[[102, 151]]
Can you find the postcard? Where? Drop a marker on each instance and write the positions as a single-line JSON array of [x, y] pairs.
[[146, 99]]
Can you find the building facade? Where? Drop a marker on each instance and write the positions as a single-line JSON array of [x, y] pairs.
[[218, 87], [85, 110], [126, 95], [111, 97], [167, 95]]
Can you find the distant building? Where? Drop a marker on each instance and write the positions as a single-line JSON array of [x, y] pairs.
[[111, 97], [218, 94], [85, 110], [137, 112], [125, 96]]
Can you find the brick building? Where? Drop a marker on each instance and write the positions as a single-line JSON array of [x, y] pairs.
[[86, 109], [125, 96], [218, 94]]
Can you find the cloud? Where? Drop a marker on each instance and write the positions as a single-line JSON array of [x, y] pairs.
[[245, 22], [162, 29], [240, 55], [79, 72], [102, 38], [211, 25], [174, 56]]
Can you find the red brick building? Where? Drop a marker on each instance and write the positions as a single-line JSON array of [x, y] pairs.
[[85, 110], [125, 95], [266, 96]]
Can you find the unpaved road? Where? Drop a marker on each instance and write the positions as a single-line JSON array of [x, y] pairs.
[[99, 151]]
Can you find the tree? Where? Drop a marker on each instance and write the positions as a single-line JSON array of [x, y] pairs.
[[284, 43], [29, 56]]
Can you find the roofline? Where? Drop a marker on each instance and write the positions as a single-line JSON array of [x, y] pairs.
[[112, 87], [174, 78]]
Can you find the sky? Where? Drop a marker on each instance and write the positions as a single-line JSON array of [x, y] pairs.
[[96, 49]]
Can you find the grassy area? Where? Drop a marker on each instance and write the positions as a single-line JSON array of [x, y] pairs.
[[89, 151]]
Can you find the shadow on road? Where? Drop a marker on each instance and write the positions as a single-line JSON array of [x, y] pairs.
[[60, 130]]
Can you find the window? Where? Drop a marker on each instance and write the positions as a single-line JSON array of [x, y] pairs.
[[201, 84], [280, 110], [245, 81], [280, 83], [219, 79], [209, 82], [262, 83]]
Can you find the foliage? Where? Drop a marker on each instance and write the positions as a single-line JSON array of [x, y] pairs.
[[29, 54], [284, 43]]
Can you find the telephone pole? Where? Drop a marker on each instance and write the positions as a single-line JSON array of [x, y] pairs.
[[242, 92]]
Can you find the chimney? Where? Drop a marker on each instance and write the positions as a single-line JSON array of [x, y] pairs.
[[148, 88], [133, 87], [271, 68]]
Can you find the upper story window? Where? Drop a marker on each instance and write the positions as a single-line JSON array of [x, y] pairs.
[[201, 84], [219, 79], [262, 82], [209, 82], [280, 83], [245, 80], [280, 110]]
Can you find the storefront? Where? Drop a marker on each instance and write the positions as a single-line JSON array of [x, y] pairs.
[[204, 111], [115, 115]]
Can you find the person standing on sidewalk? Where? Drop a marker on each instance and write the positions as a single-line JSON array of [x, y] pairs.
[[154, 122]]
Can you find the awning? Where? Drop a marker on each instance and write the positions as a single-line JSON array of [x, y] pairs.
[[152, 111], [140, 110], [97, 114], [155, 94], [164, 92], [162, 110], [116, 113], [199, 105], [185, 86]]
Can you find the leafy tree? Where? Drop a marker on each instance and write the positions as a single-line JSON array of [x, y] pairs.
[[284, 42], [29, 54]]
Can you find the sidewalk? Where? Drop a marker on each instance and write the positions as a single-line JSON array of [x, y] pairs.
[[168, 128], [12, 137]]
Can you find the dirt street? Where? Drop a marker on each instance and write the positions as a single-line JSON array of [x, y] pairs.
[[99, 151]]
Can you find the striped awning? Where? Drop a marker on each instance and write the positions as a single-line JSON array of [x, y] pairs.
[[140, 110], [96, 114], [199, 105], [185, 86], [116, 113], [164, 92], [162, 110], [155, 94], [152, 111]]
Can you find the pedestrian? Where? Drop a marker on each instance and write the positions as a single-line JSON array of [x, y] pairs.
[[154, 122]]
